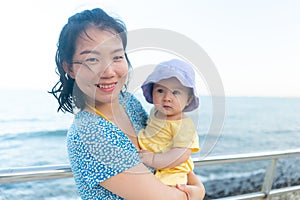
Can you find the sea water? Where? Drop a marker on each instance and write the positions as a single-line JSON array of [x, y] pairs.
[[32, 133]]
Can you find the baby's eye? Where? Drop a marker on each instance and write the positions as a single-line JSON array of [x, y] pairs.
[[175, 92], [160, 90]]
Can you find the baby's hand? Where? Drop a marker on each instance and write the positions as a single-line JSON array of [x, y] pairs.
[[146, 157]]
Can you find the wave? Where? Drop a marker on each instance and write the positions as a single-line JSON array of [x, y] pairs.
[[213, 176], [14, 120], [284, 131], [37, 134], [33, 125]]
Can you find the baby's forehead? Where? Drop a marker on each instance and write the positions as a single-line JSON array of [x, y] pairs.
[[170, 83]]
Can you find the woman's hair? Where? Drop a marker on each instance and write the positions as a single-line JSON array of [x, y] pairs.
[[66, 90]]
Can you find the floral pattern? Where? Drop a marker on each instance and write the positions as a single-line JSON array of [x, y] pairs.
[[99, 150]]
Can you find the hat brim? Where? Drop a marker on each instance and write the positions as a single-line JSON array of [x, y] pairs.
[[147, 88]]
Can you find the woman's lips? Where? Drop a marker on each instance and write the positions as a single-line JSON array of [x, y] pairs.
[[106, 87]]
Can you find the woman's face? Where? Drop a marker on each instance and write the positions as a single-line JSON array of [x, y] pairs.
[[99, 65]]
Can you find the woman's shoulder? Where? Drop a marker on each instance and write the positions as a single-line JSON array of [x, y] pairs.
[[129, 101], [134, 110], [85, 117], [127, 97]]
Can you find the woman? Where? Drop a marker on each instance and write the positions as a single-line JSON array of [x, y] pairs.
[[102, 143]]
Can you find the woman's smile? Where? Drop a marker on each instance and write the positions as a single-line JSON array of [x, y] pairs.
[[106, 87]]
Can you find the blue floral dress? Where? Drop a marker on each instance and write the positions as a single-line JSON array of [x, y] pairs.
[[99, 150]]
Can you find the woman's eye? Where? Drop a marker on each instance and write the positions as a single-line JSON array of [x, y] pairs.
[[92, 60], [118, 58]]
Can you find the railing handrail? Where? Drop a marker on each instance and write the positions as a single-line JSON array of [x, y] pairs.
[[246, 157], [34, 173]]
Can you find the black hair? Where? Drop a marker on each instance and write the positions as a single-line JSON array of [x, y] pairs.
[[66, 90]]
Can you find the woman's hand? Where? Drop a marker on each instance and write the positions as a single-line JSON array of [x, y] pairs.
[[192, 192], [194, 189]]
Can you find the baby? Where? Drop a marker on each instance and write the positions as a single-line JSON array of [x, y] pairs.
[[170, 136]]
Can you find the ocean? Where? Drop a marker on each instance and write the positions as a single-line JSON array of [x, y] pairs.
[[32, 133]]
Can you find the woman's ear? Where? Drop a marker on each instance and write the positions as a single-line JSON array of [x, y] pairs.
[[68, 69]]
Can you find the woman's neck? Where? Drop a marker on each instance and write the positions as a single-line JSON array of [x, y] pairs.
[[106, 109]]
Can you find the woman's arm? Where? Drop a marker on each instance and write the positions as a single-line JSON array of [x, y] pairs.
[[171, 158], [138, 183]]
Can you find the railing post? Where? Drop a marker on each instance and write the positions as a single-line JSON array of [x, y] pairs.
[[269, 177]]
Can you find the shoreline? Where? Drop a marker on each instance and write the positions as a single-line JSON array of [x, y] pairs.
[[220, 188]]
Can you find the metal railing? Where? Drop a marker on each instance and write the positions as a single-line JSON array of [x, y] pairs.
[[24, 174], [266, 191]]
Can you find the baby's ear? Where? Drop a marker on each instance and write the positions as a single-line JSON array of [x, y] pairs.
[[68, 69], [191, 98]]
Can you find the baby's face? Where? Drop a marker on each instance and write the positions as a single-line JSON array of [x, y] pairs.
[[170, 97]]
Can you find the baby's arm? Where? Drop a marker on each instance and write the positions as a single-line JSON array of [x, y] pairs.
[[171, 158]]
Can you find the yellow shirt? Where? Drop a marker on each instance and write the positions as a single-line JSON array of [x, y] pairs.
[[162, 135]]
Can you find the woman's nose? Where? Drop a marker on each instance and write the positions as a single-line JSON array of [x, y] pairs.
[[108, 71]]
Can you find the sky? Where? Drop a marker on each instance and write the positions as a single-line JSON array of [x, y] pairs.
[[254, 44]]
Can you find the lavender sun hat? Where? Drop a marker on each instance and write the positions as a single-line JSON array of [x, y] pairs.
[[168, 69]]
